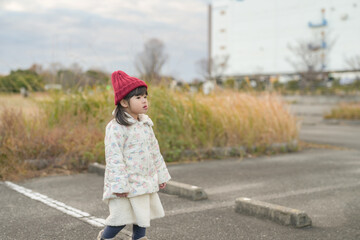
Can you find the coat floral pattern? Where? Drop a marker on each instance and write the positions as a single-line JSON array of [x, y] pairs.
[[134, 163]]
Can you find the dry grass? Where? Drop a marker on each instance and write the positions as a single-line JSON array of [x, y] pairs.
[[27, 133], [311, 145], [223, 119], [67, 130], [27, 105], [66, 146], [348, 111], [259, 119]]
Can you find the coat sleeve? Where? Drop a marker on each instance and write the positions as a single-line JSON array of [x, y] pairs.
[[116, 176], [162, 171]]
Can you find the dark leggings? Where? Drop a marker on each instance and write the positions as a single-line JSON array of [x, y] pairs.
[[111, 231]]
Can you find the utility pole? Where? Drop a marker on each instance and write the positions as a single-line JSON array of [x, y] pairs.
[[209, 41]]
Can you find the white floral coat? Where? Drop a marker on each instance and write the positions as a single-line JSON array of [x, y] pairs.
[[134, 163]]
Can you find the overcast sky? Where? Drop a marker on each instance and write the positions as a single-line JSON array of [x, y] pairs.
[[104, 34]]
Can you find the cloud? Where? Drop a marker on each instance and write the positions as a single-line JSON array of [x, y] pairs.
[[13, 6], [106, 34], [164, 11]]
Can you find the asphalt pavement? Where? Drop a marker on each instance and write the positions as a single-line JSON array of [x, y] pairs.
[[337, 135]]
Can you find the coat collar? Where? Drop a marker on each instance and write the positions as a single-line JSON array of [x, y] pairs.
[[143, 118]]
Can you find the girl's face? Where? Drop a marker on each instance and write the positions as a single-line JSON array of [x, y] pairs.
[[137, 105]]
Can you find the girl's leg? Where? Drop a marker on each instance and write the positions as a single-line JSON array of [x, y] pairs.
[[111, 231], [138, 232]]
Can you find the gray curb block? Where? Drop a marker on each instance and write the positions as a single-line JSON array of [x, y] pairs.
[[185, 190], [173, 188], [279, 214], [97, 168]]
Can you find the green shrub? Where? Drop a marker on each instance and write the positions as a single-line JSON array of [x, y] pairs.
[[16, 80]]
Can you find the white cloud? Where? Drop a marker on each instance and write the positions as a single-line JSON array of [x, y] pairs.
[[13, 6], [171, 12], [107, 34], [158, 10]]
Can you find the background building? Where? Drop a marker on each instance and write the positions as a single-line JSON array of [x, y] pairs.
[[255, 36]]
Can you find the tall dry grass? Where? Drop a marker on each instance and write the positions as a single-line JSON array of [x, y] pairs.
[[27, 105], [347, 111], [66, 146], [223, 119], [63, 135], [68, 132]]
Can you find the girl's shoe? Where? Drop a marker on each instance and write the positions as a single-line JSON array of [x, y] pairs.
[[100, 238], [100, 234], [143, 238]]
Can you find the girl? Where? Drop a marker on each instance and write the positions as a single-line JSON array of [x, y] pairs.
[[135, 169]]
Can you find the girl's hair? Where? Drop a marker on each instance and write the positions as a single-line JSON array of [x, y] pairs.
[[120, 116]]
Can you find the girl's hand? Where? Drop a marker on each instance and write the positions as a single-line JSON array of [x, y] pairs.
[[121, 194], [162, 186]]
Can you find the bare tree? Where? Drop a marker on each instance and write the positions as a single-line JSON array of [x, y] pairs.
[[310, 61], [203, 68], [353, 62], [150, 61], [307, 64], [37, 68], [213, 71]]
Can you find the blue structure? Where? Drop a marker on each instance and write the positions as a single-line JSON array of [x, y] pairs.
[[322, 24], [323, 45]]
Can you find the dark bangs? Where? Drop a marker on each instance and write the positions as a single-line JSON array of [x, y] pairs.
[[140, 91], [120, 116]]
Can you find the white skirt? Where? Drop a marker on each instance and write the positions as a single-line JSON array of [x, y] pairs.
[[137, 210]]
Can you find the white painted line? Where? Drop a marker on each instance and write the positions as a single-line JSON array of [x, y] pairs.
[[83, 216], [76, 213]]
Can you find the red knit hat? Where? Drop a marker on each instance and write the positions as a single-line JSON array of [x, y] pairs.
[[123, 84]]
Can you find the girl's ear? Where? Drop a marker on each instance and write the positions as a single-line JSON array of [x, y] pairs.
[[124, 103]]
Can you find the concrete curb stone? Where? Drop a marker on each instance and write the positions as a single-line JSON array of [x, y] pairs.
[[97, 168], [191, 192], [185, 190], [279, 214]]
